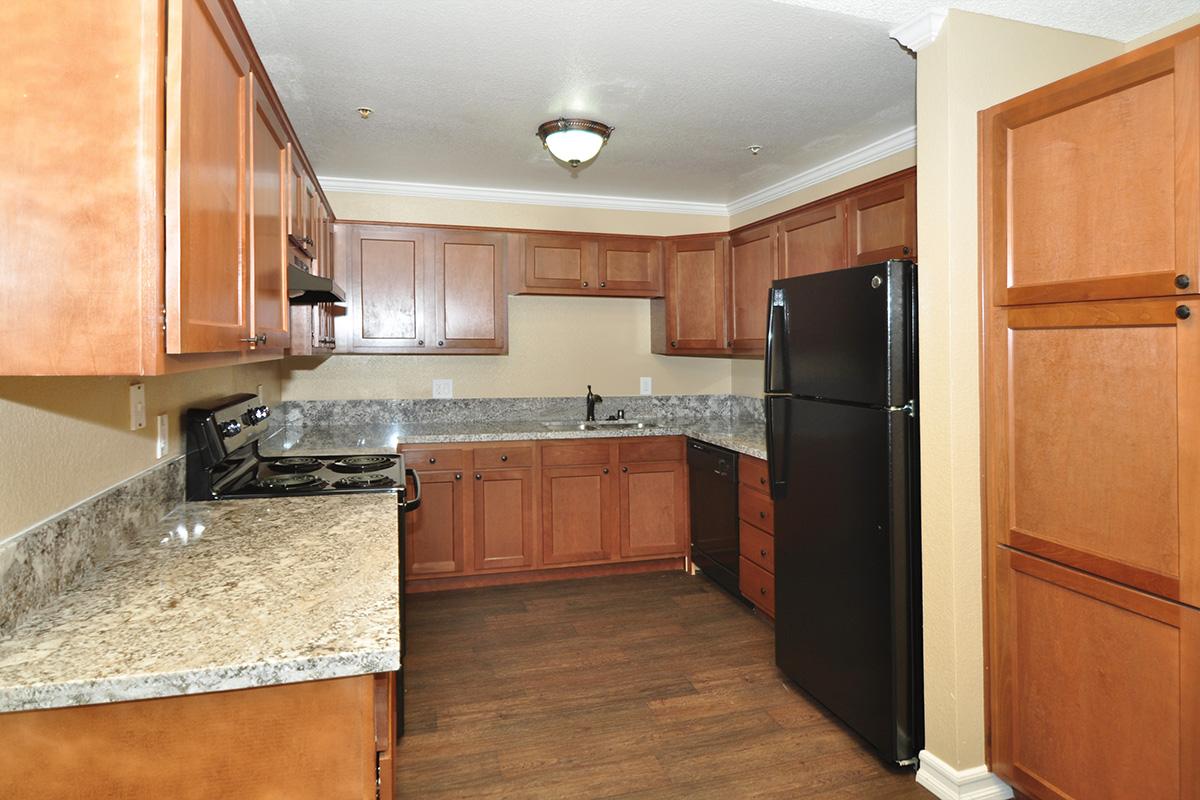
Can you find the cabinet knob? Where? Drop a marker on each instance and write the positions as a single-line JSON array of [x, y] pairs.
[[432, 459], [763, 481], [674, 343], [260, 339], [905, 250], [504, 458], [478, 477], [605, 470], [762, 552], [1183, 312], [603, 284], [420, 342], [458, 476], [762, 590], [762, 515], [441, 343], [624, 469], [729, 343], [1182, 281], [585, 283]]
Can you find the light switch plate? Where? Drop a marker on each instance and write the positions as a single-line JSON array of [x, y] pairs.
[[137, 406], [647, 386], [443, 388], [160, 448]]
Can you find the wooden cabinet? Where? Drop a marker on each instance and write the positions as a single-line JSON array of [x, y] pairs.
[[268, 168], [691, 317], [435, 541], [503, 532], [653, 509], [1092, 184], [814, 240], [418, 290], [752, 267], [579, 264], [1096, 687], [577, 507], [882, 221], [756, 535]]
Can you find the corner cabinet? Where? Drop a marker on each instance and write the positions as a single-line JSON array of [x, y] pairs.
[[165, 249], [692, 316], [752, 267]]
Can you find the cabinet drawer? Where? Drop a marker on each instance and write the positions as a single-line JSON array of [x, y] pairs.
[[656, 449], [506, 456], [576, 454], [752, 472], [757, 546], [432, 458], [756, 508], [757, 585]]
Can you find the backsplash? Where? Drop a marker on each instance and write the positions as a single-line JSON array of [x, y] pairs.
[[655, 407], [44, 560]]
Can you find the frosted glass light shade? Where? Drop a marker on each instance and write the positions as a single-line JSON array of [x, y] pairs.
[[574, 140]]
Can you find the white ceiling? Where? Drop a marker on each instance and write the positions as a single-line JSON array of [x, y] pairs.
[[458, 86]]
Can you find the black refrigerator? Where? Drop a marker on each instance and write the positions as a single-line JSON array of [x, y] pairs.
[[841, 395]]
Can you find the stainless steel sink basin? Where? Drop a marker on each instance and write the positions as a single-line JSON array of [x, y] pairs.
[[598, 425]]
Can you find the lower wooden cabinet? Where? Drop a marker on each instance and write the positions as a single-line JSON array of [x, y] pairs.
[[756, 535], [1095, 687], [499, 508], [504, 525]]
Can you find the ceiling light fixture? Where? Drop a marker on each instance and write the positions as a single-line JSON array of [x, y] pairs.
[[574, 140]]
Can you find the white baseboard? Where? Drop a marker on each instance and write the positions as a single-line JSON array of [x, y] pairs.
[[949, 783]]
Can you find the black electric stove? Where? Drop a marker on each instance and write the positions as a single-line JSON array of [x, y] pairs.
[[223, 462]]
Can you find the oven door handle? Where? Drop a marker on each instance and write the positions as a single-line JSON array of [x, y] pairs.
[[415, 503]]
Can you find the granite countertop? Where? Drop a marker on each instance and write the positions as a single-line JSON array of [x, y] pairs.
[[383, 437], [218, 596]]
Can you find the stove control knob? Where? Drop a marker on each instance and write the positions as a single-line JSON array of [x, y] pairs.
[[230, 428], [256, 415]]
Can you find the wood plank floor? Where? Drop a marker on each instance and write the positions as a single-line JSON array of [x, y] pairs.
[[640, 686]]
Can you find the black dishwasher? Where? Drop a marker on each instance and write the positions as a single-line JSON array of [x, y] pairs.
[[713, 489]]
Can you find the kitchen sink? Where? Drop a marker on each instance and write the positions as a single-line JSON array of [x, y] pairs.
[[599, 425]]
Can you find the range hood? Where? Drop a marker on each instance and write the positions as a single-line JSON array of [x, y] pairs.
[[306, 289]]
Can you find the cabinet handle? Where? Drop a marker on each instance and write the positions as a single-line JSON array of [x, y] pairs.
[[1183, 312], [624, 469], [729, 343], [260, 339], [606, 470], [762, 552], [1182, 281], [478, 477], [432, 460], [585, 284], [504, 458], [458, 476], [674, 343], [603, 284]]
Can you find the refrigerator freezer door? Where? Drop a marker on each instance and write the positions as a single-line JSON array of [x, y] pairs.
[[844, 630], [845, 335]]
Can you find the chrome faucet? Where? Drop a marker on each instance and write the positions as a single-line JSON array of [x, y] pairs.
[[592, 399]]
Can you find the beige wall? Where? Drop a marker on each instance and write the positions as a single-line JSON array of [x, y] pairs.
[[977, 61], [65, 439], [1174, 27]]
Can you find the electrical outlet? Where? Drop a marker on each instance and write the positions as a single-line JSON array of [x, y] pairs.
[[647, 386], [137, 406], [443, 388], [160, 447]]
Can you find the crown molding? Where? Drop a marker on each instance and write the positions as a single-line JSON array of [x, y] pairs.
[[948, 783], [889, 145], [522, 197], [920, 31]]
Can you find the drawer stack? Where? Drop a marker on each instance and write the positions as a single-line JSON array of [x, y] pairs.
[[756, 524]]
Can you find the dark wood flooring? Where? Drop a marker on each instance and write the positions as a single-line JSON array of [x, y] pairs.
[[640, 686]]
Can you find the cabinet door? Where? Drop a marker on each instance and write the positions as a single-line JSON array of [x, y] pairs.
[[1095, 687], [630, 265], [695, 299], [297, 201], [388, 279], [268, 168], [576, 506], [813, 240], [503, 531], [566, 263], [207, 269], [653, 514], [470, 303], [752, 268], [1093, 439], [435, 531], [1091, 185], [882, 222]]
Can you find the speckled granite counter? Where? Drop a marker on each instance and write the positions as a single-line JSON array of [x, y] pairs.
[[321, 439], [218, 596]]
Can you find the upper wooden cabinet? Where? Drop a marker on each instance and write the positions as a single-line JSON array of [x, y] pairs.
[[691, 317], [579, 264], [813, 240], [162, 250], [1091, 185], [881, 221], [417, 290], [752, 267]]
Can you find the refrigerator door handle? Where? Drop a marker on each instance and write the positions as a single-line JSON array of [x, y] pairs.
[[777, 446], [776, 360]]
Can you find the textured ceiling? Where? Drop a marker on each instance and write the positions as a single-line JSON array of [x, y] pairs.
[[458, 87], [1111, 19]]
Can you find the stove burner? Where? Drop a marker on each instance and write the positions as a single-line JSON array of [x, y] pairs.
[[288, 483], [371, 481], [361, 464], [296, 464]]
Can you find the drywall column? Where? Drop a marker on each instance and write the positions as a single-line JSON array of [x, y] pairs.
[[974, 62]]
